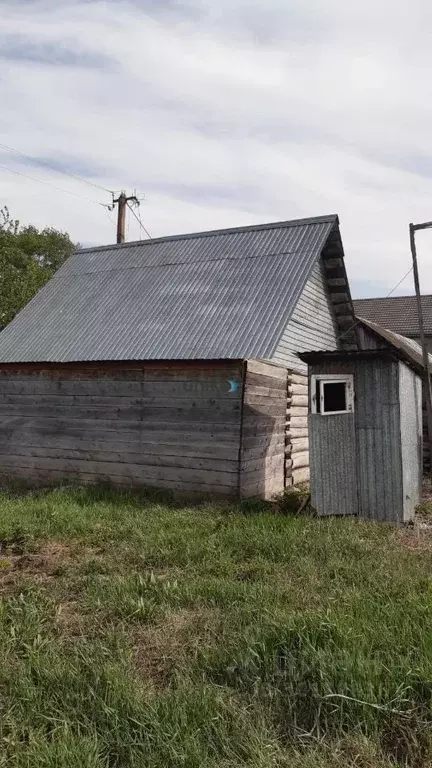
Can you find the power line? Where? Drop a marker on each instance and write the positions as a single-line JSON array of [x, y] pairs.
[[400, 281], [386, 297], [53, 168], [48, 184], [140, 222], [110, 218]]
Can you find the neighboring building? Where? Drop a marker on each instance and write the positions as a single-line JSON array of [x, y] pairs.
[[399, 314], [173, 362]]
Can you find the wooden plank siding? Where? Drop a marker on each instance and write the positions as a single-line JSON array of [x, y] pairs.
[[174, 426], [312, 326], [262, 454]]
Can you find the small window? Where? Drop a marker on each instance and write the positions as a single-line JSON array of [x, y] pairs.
[[332, 394]]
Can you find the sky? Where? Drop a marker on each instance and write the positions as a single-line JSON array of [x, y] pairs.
[[223, 114]]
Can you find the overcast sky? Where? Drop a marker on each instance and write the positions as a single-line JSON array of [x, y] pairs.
[[225, 113]]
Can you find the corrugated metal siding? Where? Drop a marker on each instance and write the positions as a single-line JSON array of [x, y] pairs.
[[225, 294], [378, 439], [312, 325], [332, 451], [410, 394], [375, 458]]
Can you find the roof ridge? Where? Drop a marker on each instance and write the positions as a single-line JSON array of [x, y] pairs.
[[211, 232]]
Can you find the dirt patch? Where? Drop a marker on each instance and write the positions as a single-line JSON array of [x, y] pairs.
[[49, 562], [158, 648], [415, 539]]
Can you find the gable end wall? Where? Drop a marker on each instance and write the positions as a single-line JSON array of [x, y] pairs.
[[312, 325]]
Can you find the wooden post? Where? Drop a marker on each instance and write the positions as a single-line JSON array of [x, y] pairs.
[[122, 201], [426, 369]]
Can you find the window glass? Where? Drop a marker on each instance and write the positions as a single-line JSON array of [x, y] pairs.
[[334, 396]]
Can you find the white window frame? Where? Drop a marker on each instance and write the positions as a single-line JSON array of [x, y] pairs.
[[331, 378]]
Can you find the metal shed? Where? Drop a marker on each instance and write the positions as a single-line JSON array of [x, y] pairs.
[[365, 434]]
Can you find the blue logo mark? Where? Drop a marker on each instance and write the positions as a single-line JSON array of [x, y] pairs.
[[234, 385]]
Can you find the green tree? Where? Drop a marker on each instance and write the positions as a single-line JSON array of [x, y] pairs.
[[28, 258]]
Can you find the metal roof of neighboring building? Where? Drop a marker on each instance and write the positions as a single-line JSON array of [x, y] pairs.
[[209, 295], [398, 313]]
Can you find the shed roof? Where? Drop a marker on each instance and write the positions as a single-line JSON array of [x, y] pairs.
[[410, 349], [394, 345], [209, 295], [398, 313]]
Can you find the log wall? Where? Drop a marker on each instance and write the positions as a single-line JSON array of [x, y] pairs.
[[297, 436], [262, 456], [174, 426]]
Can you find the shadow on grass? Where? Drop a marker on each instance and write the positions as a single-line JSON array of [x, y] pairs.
[[288, 503], [101, 493]]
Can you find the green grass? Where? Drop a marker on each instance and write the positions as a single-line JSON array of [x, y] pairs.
[[140, 632]]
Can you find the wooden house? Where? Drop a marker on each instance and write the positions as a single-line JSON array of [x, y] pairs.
[[173, 362]]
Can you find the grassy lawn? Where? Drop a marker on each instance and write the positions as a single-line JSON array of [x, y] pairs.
[[140, 632]]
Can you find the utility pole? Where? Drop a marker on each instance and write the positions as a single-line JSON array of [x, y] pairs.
[[426, 368], [122, 201]]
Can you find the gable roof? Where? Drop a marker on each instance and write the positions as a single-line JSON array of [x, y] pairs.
[[209, 295], [397, 313]]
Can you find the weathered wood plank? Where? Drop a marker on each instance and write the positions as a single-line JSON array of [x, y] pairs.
[[299, 400], [266, 369], [262, 451], [262, 466], [276, 398], [50, 477], [298, 378], [298, 389], [333, 263], [157, 369], [346, 321], [113, 469], [300, 459], [226, 413], [299, 411], [61, 378], [67, 401], [121, 457], [294, 433], [265, 404], [339, 297], [344, 308], [300, 475], [258, 380], [148, 430], [299, 444], [199, 447], [297, 422], [163, 441]]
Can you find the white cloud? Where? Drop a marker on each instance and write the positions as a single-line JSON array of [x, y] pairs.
[[226, 114]]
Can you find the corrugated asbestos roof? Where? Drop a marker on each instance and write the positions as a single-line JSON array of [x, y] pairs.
[[209, 295], [397, 313]]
